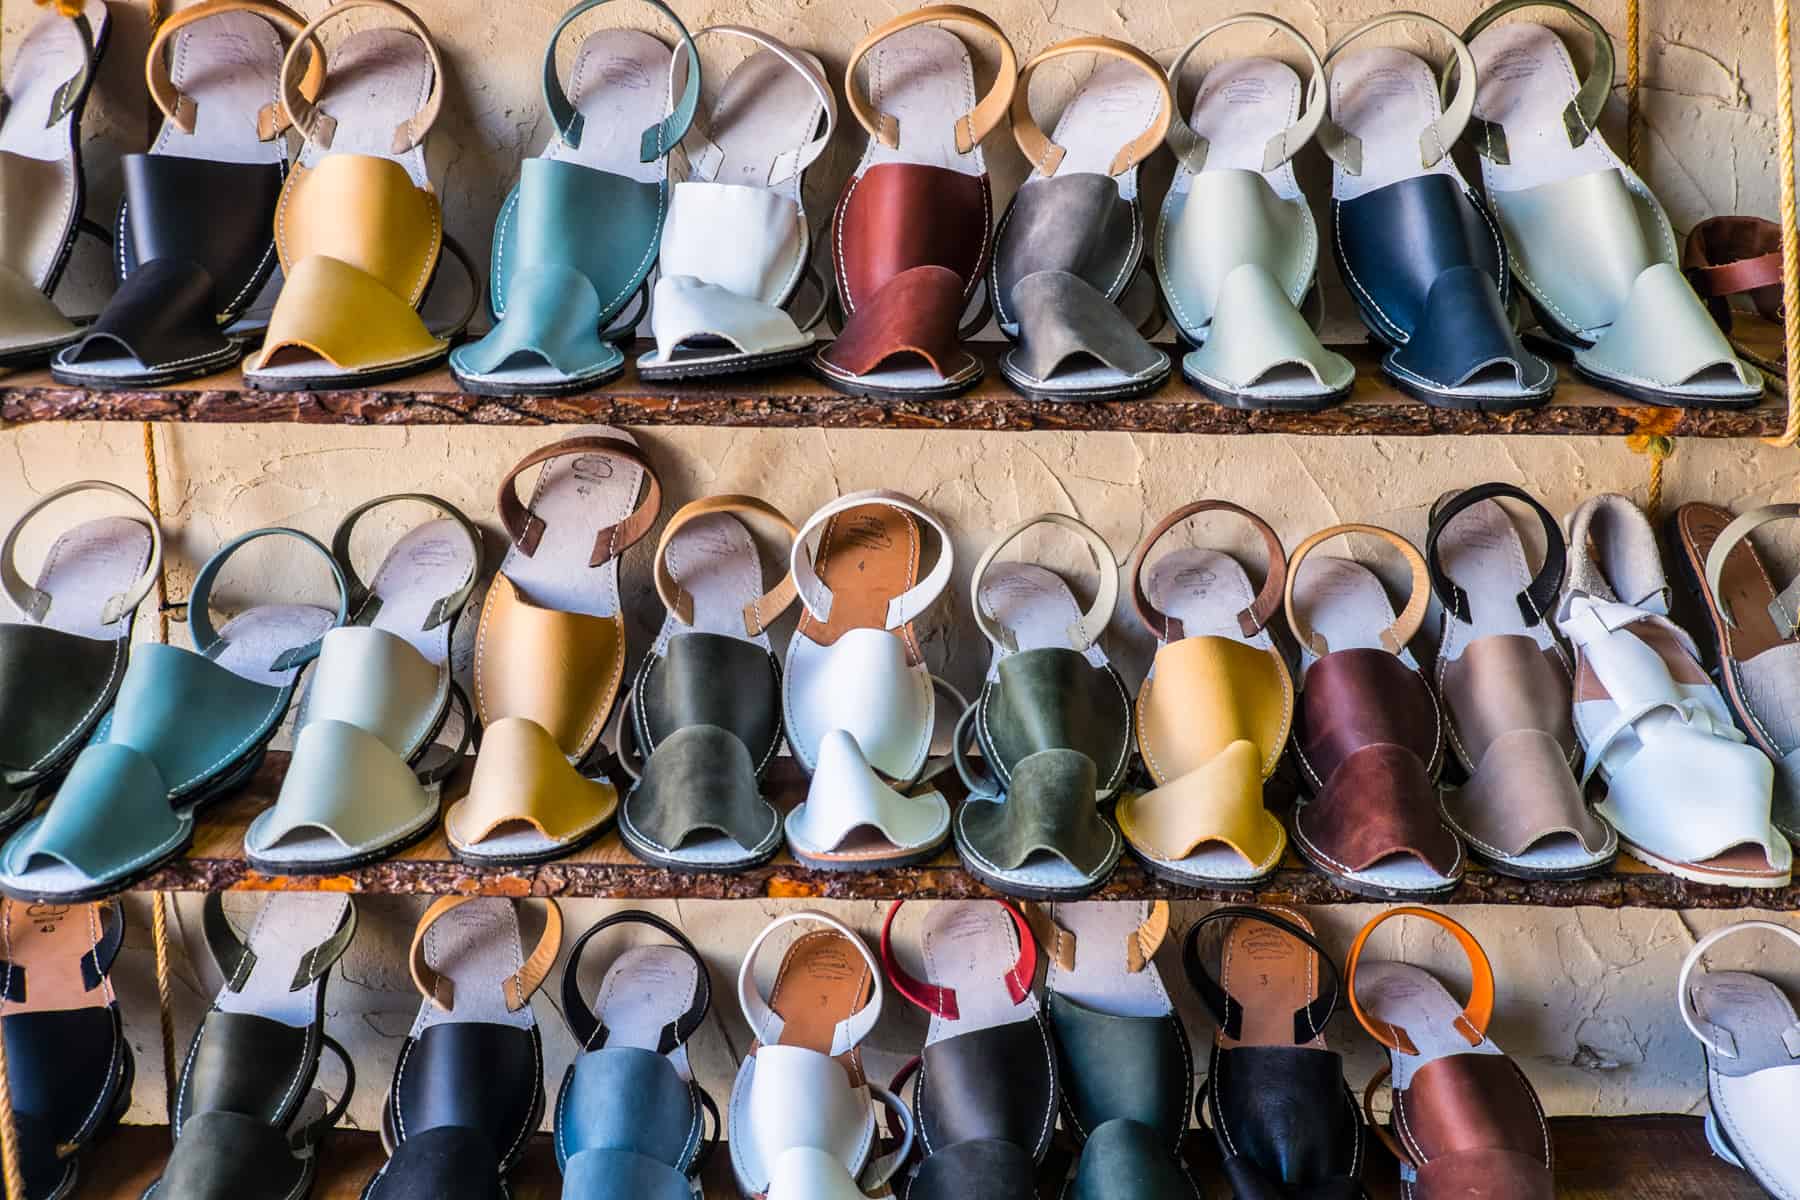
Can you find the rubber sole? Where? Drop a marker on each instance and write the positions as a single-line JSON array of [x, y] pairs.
[[1698, 875], [911, 858], [850, 388], [712, 369], [1374, 891], [1024, 891], [568, 387], [686, 867], [337, 866], [538, 859], [1483, 404], [72, 377], [1180, 879], [1244, 402], [344, 383], [1085, 395]]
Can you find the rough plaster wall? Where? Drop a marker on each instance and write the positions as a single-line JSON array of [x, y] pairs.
[[1586, 994], [1708, 91]]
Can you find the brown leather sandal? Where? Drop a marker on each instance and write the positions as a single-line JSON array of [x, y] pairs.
[[1727, 257], [912, 233], [1370, 736], [1467, 1123]]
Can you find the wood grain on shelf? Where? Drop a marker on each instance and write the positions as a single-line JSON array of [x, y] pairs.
[[1597, 1158], [792, 398], [607, 869]]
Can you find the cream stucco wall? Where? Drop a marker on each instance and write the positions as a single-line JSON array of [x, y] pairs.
[[1586, 994]]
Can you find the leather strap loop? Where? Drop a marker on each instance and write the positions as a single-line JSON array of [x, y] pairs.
[[1405, 627], [1436, 139], [70, 91], [1043, 153], [318, 126], [1191, 148], [518, 987], [761, 612], [971, 127], [1581, 117], [766, 1024], [1471, 1023], [706, 157], [941, 1001], [655, 141], [34, 605], [1088, 627], [1227, 1010], [1252, 620], [364, 603], [313, 1131], [182, 109], [200, 627], [1784, 609], [902, 608], [236, 960], [1539, 598], [586, 1024], [526, 528], [1714, 1038]]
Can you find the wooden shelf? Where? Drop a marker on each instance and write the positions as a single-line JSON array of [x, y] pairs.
[[794, 399], [607, 869], [1640, 1158]]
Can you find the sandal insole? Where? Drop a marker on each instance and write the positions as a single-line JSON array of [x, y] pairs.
[[1345, 603], [646, 989], [476, 946], [377, 79], [822, 981], [1386, 97], [868, 555], [576, 496], [715, 561], [1242, 104], [1412, 999], [1035, 606], [766, 110], [1114, 107], [48, 56], [1270, 976], [288, 928], [48, 943], [1753, 1010], [924, 79], [1482, 553], [86, 567], [1102, 979], [1527, 84], [968, 947], [620, 86], [229, 65]]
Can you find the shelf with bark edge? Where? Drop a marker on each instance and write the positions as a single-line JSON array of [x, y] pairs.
[[794, 399], [607, 869], [1597, 1158]]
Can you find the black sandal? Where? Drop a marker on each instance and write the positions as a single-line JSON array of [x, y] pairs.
[[1285, 1121]]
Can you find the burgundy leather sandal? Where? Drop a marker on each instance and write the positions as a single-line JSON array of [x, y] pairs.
[[912, 234], [1370, 735]]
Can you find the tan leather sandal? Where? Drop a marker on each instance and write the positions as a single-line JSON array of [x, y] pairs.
[[550, 653]]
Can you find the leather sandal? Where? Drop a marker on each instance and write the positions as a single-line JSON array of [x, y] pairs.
[[801, 1090], [1467, 1123], [189, 269], [358, 227], [1237, 249], [42, 186], [912, 234], [1746, 1024], [62, 660], [1424, 259], [1054, 723], [1123, 1060], [1590, 244], [707, 701], [1506, 689], [1370, 740], [737, 242], [1688, 796], [1754, 640], [1213, 714], [577, 238], [1072, 240], [1729, 257], [1286, 1123], [68, 1064], [984, 1088], [550, 652], [468, 1089], [188, 728], [859, 702], [366, 773], [247, 1121], [628, 1116]]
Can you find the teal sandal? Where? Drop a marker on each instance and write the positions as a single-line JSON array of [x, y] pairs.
[[188, 727], [578, 236]]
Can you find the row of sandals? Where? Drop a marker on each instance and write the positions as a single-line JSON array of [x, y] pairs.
[[1436, 271], [1406, 774], [1098, 1043]]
